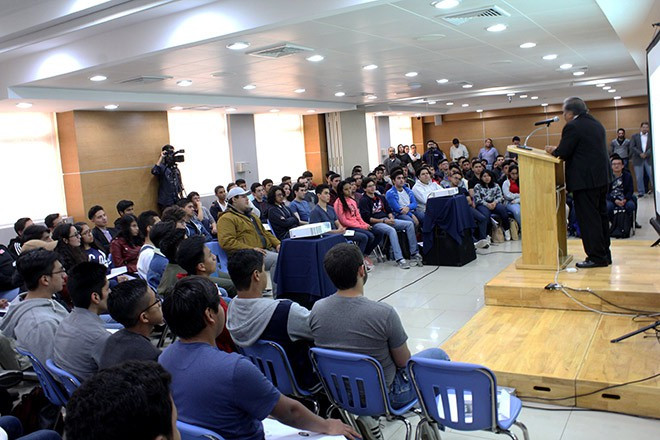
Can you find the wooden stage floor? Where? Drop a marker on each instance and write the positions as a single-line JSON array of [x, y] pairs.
[[547, 347]]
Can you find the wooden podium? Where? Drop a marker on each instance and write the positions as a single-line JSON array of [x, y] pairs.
[[543, 210]]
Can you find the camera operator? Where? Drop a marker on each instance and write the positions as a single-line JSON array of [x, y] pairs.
[[170, 187]]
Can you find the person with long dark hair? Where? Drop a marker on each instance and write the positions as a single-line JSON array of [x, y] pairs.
[[288, 193], [68, 248], [125, 247], [89, 245], [489, 200], [511, 192], [349, 216], [280, 217]]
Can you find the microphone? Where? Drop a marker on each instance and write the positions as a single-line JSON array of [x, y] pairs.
[[547, 121]]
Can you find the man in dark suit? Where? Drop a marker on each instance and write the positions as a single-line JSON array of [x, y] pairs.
[[101, 233], [641, 149], [583, 146]]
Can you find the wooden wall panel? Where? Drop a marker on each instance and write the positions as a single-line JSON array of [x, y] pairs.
[[631, 118], [316, 149]]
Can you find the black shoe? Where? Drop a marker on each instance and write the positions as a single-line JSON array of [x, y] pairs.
[[638, 226], [588, 264]]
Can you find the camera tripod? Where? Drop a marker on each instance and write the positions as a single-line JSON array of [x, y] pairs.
[[655, 326]]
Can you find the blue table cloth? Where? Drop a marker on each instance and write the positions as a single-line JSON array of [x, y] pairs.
[[300, 266], [451, 214]]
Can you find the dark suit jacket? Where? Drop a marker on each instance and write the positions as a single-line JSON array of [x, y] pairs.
[[636, 149], [584, 148], [100, 240]]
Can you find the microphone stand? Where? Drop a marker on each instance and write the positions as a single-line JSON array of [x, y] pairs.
[[524, 146], [655, 326]]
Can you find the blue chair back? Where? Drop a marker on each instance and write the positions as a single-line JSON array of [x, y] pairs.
[[457, 395], [9, 295], [52, 389], [273, 362], [192, 432], [353, 382], [220, 255], [68, 380]]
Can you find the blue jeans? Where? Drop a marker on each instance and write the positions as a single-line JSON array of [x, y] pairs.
[[12, 426], [514, 210], [629, 207], [482, 223], [361, 240], [390, 231], [499, 211], [644, 167], [402, 390], [372, 239]]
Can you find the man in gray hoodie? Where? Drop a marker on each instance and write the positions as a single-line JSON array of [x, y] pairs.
[[32, 319], [252, 317]]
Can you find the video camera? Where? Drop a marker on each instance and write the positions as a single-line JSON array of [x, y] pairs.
[[172, 157]]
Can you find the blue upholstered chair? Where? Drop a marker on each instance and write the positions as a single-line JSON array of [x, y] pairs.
[[52, 389], [219, 253], [68, 380]]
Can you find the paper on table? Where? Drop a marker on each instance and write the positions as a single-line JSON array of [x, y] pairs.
[[275, 430], [116, 272], [349, 233]]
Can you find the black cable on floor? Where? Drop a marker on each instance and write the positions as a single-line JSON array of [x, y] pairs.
[[409, 284]]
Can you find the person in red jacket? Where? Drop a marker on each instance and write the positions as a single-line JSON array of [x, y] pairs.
[[125, 247]]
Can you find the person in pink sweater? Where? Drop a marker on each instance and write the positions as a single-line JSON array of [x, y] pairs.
[[349, 216]]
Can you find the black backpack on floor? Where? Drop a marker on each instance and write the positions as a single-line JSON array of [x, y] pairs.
[[621, 224]]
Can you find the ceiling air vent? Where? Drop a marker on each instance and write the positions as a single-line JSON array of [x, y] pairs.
[[145, 79], [465, 16], [279, 51]]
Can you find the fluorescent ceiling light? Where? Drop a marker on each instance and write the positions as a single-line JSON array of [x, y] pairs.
[[465, 105], [578, 73], [545, 104], [431, 102], [611, 91], [600, 85], [534, 97], [479, 110], [496, 27], [411, 74], [606, 87], [24, 105], [617, 97], [299, 90], [340, 94], [523, 96], [184, 83], [446, 4], [372, 97], [370, 67], [442, 81], [97, 78], [467, 86], [550, 57], [510, 94], [566, 66], [527, 45], [249, 87], [176, 107], [238, 45], [315, 58], [111, 107], [449, 103]]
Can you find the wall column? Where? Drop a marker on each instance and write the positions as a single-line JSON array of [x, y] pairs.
[[243, 145], [316, 146]]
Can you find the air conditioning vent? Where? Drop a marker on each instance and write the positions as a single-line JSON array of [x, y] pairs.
[[279, 51], [145, 79], [465, 16]]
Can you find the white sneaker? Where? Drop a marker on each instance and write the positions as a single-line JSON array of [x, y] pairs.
[[403, 264], [507, 235], [417, 260], [482, 244]]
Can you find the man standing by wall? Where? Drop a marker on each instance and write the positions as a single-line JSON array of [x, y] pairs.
[[583, 146], [641, 149]]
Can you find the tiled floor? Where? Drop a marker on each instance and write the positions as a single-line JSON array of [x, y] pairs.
[[435, 307]]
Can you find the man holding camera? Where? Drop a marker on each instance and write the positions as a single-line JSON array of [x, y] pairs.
[[170, 187]]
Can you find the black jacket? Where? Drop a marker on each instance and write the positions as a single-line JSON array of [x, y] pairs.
[[101, 242], [583, 146], [281, 219], [7, 270]]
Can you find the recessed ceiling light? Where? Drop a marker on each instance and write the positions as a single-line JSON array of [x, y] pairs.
[[465, 105], [340, 94], [411, 74], [510, 94], [550, 57], [527, 45], [578, 73], [534, 97], [299, 90], [315, 58], [184, 83], [418, 114], [523, 96], [249, 87], [176, 107], [617, 97], [479, 110], [24, 105], [238, 45], [111, 107], [611, 91], [97, 78], [600, 85], [449, 103], [274, 110], [442, 81], [430, 102], [311, 111], [566, 66], [545, 104], [445, 4], [606, 87], [230, 109], [370, 67], [372, 97], [467, 86], [496, 27]]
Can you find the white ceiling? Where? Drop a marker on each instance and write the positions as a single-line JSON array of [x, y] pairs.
[[47, 59]]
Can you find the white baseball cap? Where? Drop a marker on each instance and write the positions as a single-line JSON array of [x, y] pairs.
[[236, 191]]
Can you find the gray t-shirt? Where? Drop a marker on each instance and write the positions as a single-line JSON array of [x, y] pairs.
[[358, 325], [404, 199]]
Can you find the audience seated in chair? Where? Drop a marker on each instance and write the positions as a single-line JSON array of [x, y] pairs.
[[489, 200], [222, 391], [202, 213], [621, 191], [511, 193], [480, 233], [102, 234], [158, 261], [134, 305], [33, 320], [68, 249], [402, 200], [125, 247], [7, 270], [300, 207], [168, 246], [220, 204], [252, 317], [16, 242], [193, 225], [81, 336], [351, 322], [146, 220], [124, 207], [35, 237], [280, 216], [258, 200], [128, 401], [52, 221], [89, 246], [423, 188], [375, 211], [239, 228]]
